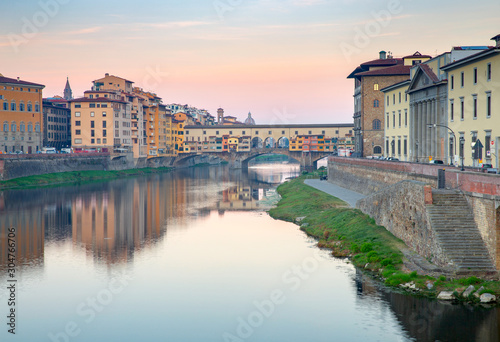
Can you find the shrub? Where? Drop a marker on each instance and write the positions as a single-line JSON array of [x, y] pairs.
[[386, 262], [354, 248], [366, 247], [469, 281]]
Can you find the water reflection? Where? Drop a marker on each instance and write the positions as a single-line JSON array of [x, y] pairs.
[[125, 223]]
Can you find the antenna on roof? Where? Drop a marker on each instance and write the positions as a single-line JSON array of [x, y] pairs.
[[389, 54]]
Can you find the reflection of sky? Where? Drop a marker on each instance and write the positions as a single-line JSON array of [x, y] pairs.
[[195, 277]]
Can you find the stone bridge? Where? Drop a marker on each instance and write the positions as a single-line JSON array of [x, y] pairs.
[[308, 160]]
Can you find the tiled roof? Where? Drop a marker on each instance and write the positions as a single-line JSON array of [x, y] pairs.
[[20, 82], [383, 62], [428, 71], [97, 99], [389, 71], [417, 55]]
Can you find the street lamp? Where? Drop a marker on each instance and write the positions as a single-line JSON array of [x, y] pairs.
[[462, 143], [454, 137], [416, 143]]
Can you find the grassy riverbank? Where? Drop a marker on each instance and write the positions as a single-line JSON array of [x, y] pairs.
[[350, 233], [75, 177]]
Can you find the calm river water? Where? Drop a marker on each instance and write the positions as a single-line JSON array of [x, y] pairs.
[[193, 256]]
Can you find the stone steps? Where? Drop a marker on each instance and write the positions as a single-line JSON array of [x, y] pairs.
[[453, 222]]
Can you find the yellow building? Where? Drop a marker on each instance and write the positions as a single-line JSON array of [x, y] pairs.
[[396, 130], [474, 105], [21, 115]]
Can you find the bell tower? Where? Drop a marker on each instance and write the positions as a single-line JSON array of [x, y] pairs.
[[220, 116]]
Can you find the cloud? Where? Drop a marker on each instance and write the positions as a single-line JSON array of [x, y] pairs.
[[86, 30], [177, 24], [303, 3]]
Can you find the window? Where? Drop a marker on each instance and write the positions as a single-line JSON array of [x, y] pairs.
[[488, 72], [377, 150], [37, 108], [399, 97], [387, 102], [6, 127], [92, 124], [78, 105], [243, 132], [256, 132], [462, 109], [375, 103], [78, 141], [91, 105], [270, 132], [488, 104], [37, 127], [393, 119], [77, 114], [92, 114], [30, 127], [30, 107], [375, 86], [406, 97], [474, 106], [393, 98], [78, 123], [310, 132], [399, 146], [462, 79], [405, 147], [452, 82], [5, 106], [13, 127], [399, 114], [21, 107], [406, 118], [78, 132], [104, 124], [12, 105], [104, 132], [475, 76], [376, 124], [452, 109], [387, 120], [103, 114], [22, 127], [216, 132], [104, 141]]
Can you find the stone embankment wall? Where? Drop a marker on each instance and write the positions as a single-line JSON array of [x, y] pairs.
[[368, 176], [14, 166], [400, 208]]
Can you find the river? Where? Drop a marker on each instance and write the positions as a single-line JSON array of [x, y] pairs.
[[192, 255]]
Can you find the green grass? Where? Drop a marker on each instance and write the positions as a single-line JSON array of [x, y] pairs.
[[75, 177], [350, 233], [329, 220]]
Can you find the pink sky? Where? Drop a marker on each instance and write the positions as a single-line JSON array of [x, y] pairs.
[[285, 61]]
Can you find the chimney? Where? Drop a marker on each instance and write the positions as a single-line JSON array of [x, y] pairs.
[[497, 40], [382, 55], [18, 79], [106, 74]]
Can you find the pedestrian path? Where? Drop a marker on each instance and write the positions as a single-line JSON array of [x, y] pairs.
[[344, 194]]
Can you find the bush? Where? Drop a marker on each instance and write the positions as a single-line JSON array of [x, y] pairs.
[[414, 274], [386, 262], [366, 247]]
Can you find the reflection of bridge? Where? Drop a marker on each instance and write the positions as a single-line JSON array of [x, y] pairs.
[[240, 159]]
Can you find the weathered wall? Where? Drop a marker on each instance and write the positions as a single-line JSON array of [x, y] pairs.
[[400, 208], [13, 166], [367, 176]]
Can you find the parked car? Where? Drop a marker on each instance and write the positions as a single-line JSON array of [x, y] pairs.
[[486, 166], [66, 150], [392, 159], [436, 161]]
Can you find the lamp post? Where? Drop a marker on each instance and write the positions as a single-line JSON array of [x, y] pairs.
[[462, 143], [454, 137], [416, 143]]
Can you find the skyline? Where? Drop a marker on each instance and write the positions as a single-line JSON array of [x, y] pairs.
[[284, 61]]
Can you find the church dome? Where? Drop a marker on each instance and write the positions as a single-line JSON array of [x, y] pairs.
[[249, 120]]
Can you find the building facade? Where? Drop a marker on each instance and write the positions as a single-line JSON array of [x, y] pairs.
[[21, 114], [396, 129], [474, 105], [56, 124], [369, 78]]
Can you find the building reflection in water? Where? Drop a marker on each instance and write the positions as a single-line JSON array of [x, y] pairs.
[[431, 320]]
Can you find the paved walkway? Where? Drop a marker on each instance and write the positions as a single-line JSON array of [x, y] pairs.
[[344, 194]]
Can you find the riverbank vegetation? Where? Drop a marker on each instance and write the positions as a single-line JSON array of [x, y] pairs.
[[350, 233], [76, 177]]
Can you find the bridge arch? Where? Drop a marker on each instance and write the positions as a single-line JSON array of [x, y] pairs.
[[270, 142], [283, 142], [257, 142], [244, 162]]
